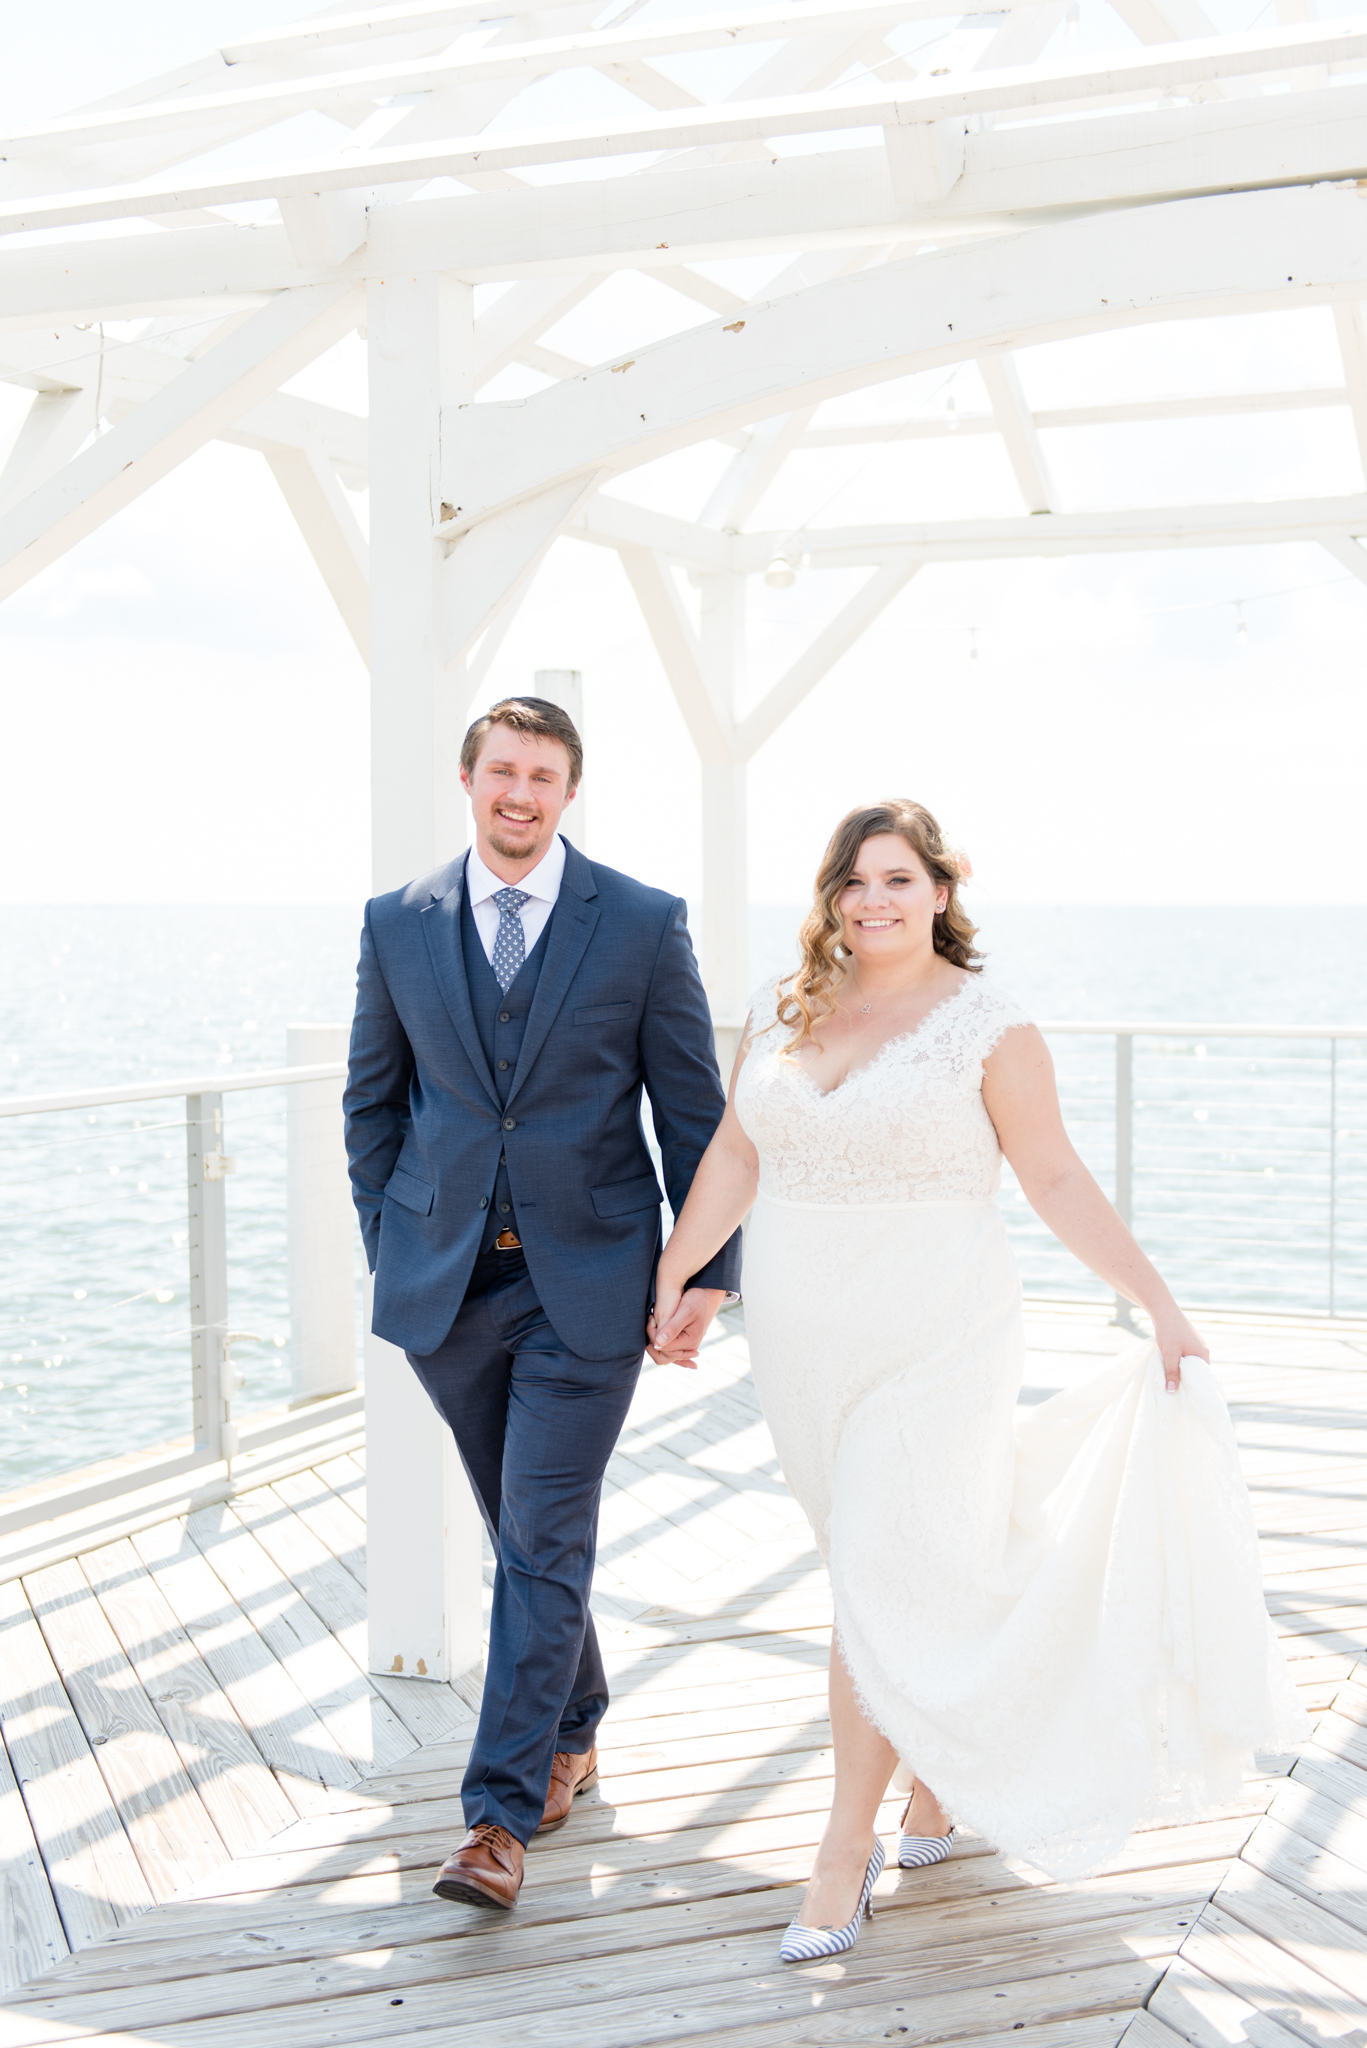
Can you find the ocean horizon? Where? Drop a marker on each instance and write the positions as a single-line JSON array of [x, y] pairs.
[[93, 1287]]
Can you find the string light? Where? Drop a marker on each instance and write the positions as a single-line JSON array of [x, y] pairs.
[[1072, 21], [780, 574], [1240, 630]]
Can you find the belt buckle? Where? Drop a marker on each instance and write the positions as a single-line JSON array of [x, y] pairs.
[[507, 1241]]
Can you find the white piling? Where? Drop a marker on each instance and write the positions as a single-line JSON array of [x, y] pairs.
[[565, 687], [321, 1222]]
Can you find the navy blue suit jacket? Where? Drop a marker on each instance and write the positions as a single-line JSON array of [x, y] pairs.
[[619, 1006]]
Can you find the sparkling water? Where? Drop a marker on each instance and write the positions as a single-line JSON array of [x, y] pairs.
[[1232, 1183]]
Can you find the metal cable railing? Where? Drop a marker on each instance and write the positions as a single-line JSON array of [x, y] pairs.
[[1237, 1153], [293, 1245]]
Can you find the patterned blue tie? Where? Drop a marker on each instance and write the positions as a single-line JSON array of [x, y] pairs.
[[510, 944]]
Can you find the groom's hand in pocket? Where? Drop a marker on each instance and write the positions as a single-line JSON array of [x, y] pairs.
[[675, 1333]]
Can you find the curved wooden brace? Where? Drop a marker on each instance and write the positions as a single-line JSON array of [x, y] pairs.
[[1195, 258]]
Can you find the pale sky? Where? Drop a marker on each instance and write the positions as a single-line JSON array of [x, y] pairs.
[[186, 716]]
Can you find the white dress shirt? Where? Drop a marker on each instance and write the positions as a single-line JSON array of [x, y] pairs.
[[541, 887]]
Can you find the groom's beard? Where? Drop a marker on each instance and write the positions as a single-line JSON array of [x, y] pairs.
[[516, 849]]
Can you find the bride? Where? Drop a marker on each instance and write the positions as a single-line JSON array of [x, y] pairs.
[[1054, 1625]]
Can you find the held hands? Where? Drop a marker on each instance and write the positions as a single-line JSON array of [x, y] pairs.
[[678, 1322]]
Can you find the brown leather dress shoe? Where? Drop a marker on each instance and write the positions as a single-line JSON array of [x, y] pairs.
[[486, 1870], [570, 1775]]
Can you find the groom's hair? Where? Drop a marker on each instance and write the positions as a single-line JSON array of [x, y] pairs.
[[534, 717]]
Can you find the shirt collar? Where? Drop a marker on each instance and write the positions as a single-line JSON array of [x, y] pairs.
[[543, 881]]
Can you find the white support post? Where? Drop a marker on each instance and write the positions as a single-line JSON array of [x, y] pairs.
[[1350, 320], [321, 1225], [424, 1537], [725, 933], [420, 335], [565, 687], [207, 1219], [424, 1550]]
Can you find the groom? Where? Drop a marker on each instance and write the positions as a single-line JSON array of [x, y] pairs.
[[509, 1010]]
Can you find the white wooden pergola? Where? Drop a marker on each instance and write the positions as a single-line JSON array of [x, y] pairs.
[[1010, 191]]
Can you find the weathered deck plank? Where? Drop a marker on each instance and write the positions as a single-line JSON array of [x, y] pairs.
[[225, 1766], [96, 1879], [166, 1821], [282, 1721], [31, 1937]]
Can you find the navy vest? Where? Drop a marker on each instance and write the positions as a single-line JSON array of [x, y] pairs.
[[501, 1021]]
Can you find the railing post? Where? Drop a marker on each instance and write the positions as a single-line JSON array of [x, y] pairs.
[[1124, 1154], [1333, 1166], [321, 1222], [207, 1215]]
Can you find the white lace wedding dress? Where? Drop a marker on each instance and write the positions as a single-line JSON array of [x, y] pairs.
[[1056, 1616]]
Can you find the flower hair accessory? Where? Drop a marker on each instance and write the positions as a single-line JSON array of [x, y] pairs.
[[961, 862]]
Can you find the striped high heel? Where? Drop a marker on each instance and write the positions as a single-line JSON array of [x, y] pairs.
[[915, 1851], [810, 1944]]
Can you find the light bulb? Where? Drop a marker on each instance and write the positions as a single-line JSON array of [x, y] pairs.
[[951, 413], [1241, 637], [780, 574], [1072, 21]]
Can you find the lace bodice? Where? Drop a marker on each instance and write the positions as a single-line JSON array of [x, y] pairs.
[[908, 1126]]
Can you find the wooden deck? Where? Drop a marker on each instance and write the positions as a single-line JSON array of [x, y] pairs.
[[227, 1832]]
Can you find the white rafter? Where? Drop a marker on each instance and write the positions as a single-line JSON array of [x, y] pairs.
[[1023, 90]]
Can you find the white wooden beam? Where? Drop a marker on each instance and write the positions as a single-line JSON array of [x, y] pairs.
[[1350, 320], [207, 396], [521, 316], [849, 625], [330, 529], [1016, 425], [324, 227], [613, 523], [337, 27], [481, 656], [1021, 90], [842, 200], [1131, 412], [1351, 553], [1164, 21], [724, 927], [341, 439], [1322, 520], [846, 199], [485, 565], [679, 651], [54, 427], [614, 50], [1188, 260], [1022, 36], [750, 473]]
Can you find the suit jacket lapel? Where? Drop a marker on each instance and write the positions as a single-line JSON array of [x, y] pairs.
[[441, 929], [571, 929]]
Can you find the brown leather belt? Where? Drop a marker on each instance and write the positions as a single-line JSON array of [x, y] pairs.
[[507, 1241]]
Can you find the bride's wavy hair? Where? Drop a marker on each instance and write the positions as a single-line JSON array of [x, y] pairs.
[[808, 994]]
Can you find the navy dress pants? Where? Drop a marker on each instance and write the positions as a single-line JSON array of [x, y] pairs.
[[535, 1426]]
